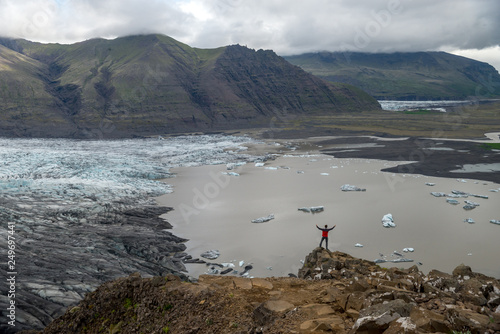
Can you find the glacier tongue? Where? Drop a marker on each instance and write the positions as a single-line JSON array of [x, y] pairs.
[[84, 214]]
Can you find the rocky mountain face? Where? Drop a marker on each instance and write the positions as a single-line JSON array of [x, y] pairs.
[[406, 75], [152, 84], [335, 293]]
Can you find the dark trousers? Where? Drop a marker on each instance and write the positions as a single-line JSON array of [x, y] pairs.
[[326, 242]]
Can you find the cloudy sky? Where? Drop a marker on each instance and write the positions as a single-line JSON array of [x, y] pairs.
[[466, 27]]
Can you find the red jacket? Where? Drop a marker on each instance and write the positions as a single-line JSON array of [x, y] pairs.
[[325, 231]]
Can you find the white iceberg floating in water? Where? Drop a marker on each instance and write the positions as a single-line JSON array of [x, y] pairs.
[[312, 209], [409, 249], [388, 221], [259, 164], [242, 263], [495, 221], [263, 219], [349, 187], [231, 173], [469, 220], [358, 245]]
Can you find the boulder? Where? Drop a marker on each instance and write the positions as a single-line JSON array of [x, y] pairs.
[[377, 318], [428, 321], [463, 271]]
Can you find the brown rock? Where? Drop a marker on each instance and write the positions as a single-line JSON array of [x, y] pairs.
[[317, 310], [356, 300], [462, 318], [262, 283], [429, 321], [463, 271], [402, 325], [242, 283], [332, 323]]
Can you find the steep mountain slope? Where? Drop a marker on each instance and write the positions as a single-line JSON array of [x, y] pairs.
[[151, 84], [406, 76]]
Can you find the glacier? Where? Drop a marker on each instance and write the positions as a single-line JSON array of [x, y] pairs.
[[84, 212]]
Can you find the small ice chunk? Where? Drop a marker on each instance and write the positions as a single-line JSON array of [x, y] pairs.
[[388, 221], [241, 263], [259, 164], [358, 245], [431, 184], [271, 168], [452, 201], [401, 260], [495, 221], [409, 249], [227, 265], [438, 194], [263, 219], [469, 220], [349, 187], [325, 174], [210, 254], [312, 209], [269, 268], [231, 173]]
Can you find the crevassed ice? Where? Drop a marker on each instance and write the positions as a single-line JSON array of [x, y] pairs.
[[67, 173]]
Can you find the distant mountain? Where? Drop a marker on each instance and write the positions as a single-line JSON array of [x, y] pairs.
[[405, 76], [153, 84]]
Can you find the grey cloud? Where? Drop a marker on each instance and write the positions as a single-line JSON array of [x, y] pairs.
[[286, 26]]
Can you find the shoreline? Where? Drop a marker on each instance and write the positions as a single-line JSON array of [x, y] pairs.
[[232, 240]]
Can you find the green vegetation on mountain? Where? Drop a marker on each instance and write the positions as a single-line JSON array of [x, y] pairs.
[[153, 84], [405, 76]]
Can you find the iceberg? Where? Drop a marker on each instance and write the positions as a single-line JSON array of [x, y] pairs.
[[495, 221], [263, 219], [348, 187], [358, 245], [409, 249], [388, 221], [312, 209], [401, 260], [469, 220], [452, 201], [469, 205], [210, 254]]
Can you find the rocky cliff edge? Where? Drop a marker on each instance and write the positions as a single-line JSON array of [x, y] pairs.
[[335, 293]]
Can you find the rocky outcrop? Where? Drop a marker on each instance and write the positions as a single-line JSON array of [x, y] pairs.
[[336, 293], [395, 300]]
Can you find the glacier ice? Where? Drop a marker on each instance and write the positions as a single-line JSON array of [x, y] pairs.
[[388, 221], [263, 219]]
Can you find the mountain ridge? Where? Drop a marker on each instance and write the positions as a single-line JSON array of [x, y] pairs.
[[405, 75], [152, 84]]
